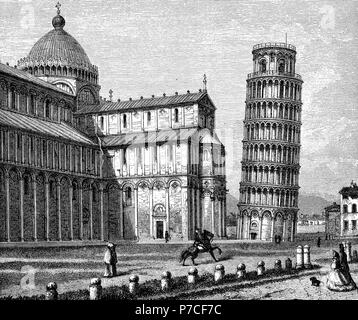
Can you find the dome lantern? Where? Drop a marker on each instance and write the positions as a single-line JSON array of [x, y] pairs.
[[58, 22]]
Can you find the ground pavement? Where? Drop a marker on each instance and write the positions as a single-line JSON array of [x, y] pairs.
[[26, 271]]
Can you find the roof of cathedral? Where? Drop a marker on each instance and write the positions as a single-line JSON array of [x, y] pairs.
[[108, 106], [57, 48], [29, 77], [50, 128], [150, 137]]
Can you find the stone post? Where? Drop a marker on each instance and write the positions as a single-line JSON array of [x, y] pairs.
[[219, 273], [166, 281], [278, 265], [260, 268], [51, 291], [192, 275], [307, 256], [355, 256], [349, 251], [288, 264], [241, 271], [133, 284], [299, 257], [95, 289]]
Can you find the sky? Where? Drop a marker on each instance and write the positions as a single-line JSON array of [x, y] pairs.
[[150, 47]]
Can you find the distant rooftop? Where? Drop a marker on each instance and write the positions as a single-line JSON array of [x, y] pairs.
[[351, 191]]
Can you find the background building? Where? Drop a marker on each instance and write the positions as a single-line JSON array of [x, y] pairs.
[[74, 166], [333, 220], [349, 213], [271, 145]]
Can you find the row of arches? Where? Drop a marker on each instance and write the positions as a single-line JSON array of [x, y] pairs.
[[271, 153], [19, 98], [63, 71], [270, 109], [272, 131], [270, 175], [268, 196], [278, 89]]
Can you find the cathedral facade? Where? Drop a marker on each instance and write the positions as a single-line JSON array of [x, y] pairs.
[[268, 203], [74, 166]]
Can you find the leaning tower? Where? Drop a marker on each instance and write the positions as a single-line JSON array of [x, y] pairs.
[[268, 203]]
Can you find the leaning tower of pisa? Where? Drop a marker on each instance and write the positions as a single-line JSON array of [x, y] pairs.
[[268, 203]]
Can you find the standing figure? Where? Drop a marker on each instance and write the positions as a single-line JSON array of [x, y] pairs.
[[110, 260], [319, 242], [166, 236], [336, 279], [344, 262]]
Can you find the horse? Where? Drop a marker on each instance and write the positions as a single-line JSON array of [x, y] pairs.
[[194, 250]]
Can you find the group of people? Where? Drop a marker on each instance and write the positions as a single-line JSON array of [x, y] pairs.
[[339, 278]]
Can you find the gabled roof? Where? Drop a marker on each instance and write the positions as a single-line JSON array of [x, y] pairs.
[[49, 128], [23, 75], [108, 106]]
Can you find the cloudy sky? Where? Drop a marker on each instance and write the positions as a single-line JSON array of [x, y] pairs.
[[149, 47]]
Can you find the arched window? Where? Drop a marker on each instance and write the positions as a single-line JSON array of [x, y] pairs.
[[354, 208], [32, 104], [74, 191], [263, 65], [94, 194], [13, 98], [345, 208], [26, 185], [101, 121], [128, 196], [176, 115], [124, 121], [149, 118], [206, 155], [281, 66], [47, 109]]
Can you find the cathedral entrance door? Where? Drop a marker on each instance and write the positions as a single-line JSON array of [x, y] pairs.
[[159, 229]]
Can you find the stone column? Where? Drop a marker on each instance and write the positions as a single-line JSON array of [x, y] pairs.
[[21, 209], [272, 227], [7, 191], [184, 208], [70, 192], [151, 211], [91, 212], [34, 186], [136, 211], [101, 212], [260, 229], [47, 208], [292, 229], [121, 225], [220, 219], [80, 209], [212, 197], [284, 229], [58, 191], [198, 206], [167, 207]]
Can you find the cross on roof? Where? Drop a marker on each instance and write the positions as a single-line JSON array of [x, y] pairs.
[[204, 82], [58, 6]]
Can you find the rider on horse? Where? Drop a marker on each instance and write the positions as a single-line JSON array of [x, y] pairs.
[[202, 240]]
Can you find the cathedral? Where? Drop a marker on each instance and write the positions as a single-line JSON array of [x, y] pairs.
[[77, 167]]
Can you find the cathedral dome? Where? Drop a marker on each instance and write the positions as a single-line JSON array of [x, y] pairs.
[[57, 49]]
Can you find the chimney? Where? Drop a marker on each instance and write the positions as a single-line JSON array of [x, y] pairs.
[[199, 90], [130, 99], [188, 91], [163, 94], [7, 63], [176, 93], [152, 95], [141, 97], [118, 100], [15, 66]]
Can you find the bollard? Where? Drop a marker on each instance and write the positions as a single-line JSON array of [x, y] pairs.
[[192, 275], [355, 256], [349, 252], [133, 284], [166, 281], [278, 266], [219, 273], [288, 264], [299, 257], [51, 291], [95, 289], [307, 256], [260, 268], [241, 271]]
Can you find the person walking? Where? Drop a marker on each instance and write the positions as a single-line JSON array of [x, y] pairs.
[[319, 242], [167, 236], [110, 261]]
